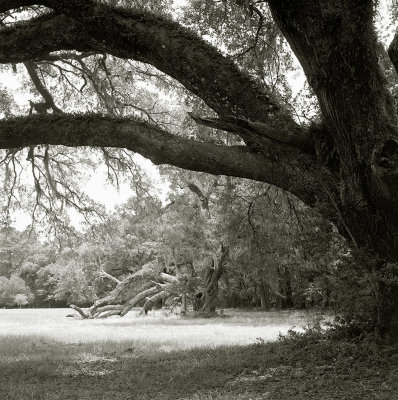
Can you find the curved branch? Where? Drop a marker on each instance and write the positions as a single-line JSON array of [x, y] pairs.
[[144, 37], [289, 170], [106, 309], [137, 298], [153, 300]]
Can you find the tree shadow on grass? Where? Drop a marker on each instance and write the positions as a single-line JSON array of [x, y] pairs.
[[34, 368], [31, 367]]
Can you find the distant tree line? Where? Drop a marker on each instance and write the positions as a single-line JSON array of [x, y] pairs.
[[217, 243]]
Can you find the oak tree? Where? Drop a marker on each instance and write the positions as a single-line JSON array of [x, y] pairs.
[[344, 164]]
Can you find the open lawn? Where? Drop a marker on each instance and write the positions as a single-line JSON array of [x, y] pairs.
[[153, 332], [44, 355]]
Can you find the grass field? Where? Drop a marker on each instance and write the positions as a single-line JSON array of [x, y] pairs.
[[153, 332], [46, 356]]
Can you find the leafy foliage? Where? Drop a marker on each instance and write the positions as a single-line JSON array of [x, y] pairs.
[[13, 291]]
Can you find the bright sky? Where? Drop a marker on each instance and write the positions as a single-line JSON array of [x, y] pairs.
[[100, 189]]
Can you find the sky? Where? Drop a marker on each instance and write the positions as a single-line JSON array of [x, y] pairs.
[[100, 189]]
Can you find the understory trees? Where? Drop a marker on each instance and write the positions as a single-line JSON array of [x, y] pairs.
[[343, 163]]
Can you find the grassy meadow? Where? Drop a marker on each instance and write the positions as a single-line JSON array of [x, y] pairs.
[[155, 332], [44, 355]]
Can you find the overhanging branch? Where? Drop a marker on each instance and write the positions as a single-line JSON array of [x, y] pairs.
[[144, 37], [292, 171]]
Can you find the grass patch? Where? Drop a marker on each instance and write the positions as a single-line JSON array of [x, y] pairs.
[[34, 367], [287, 369]]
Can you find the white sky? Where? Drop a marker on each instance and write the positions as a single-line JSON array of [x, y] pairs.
[[102, 191]]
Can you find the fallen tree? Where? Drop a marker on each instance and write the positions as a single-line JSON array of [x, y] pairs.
[[150, 285], [146, 285]]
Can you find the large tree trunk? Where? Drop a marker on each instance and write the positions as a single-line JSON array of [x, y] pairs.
[[336, 45], [210, 293]]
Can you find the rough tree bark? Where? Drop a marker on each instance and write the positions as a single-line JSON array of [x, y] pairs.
[[335, 43], [346, 166]]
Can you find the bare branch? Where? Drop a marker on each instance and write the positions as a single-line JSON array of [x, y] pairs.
[[48, 99]]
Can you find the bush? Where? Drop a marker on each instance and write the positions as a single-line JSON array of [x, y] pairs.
[[13, 291]]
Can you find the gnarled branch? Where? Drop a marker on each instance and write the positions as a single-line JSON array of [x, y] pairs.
[[144, 37], [290, 170]]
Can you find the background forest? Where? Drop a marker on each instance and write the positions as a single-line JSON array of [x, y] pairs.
[[280, 253]]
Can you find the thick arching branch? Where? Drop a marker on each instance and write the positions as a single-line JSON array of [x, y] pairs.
[[139, 297], [87, 26], [292, 171], [144, 37]]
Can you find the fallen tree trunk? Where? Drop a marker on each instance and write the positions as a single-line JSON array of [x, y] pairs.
[[121, 287], [139, 297], [153, 300], [112, 307], [115, 303], [80, 311]]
